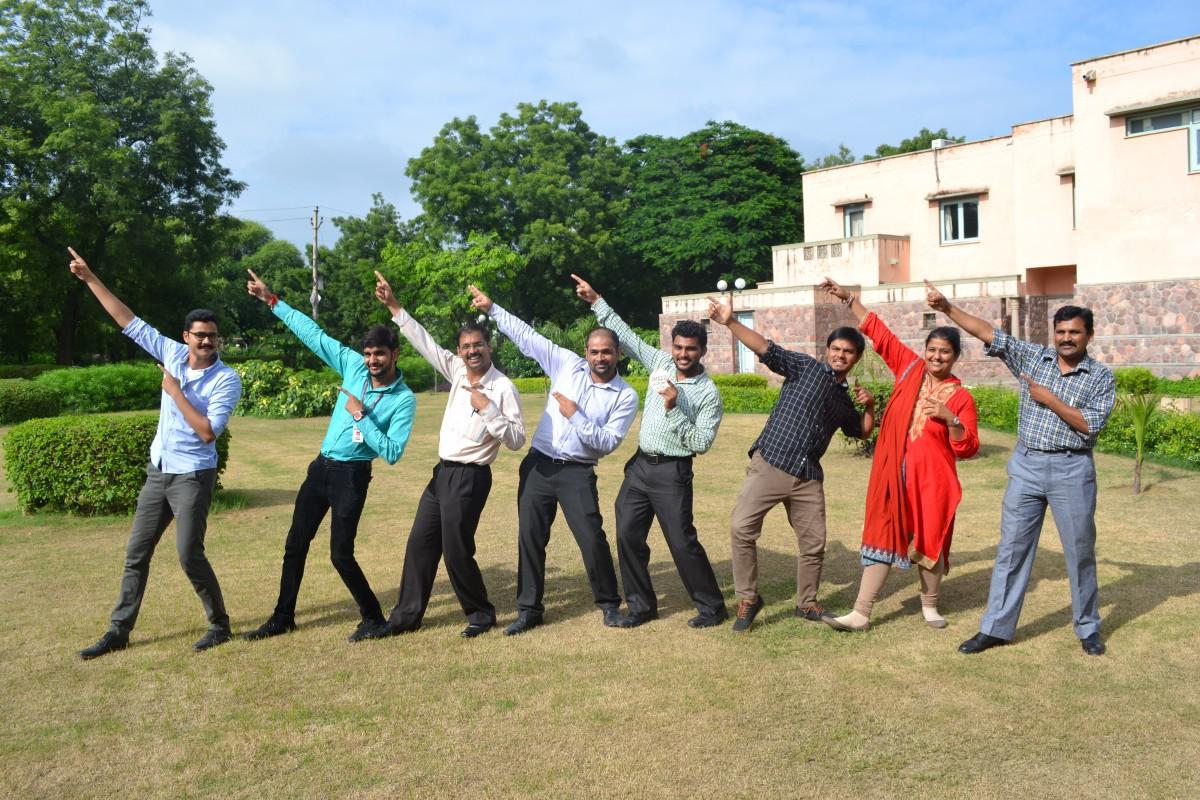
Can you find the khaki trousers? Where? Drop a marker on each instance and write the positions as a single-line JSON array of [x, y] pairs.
[[766, 486]]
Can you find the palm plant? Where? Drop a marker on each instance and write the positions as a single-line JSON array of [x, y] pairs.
[[1140, 407]]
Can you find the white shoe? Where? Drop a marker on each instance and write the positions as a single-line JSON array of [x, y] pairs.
[[853, 622]]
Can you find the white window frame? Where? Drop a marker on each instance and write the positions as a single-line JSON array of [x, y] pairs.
[[1183, 113], [847, 212], [1194, 141], [960, 202]]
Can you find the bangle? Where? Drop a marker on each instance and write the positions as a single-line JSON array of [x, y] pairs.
[[272, 300]]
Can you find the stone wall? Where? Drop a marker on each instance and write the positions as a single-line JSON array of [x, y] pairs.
[[1155, 324]]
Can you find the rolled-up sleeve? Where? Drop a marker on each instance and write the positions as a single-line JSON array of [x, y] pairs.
[[1099, 406], [224, 399]]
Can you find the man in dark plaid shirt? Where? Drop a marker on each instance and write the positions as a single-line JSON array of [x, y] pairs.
[[785, 460], [1066, 397]]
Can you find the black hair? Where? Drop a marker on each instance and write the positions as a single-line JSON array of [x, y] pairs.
[[690, 329], [949, 334], [381, 336], [475, 326], [850, 335], [609, 332], [198, 315], [1075, 312]]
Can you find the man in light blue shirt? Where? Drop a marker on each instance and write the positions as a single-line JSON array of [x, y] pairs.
[[199, 394], [373, 416], [588, 413]]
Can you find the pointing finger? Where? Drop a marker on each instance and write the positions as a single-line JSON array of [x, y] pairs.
[[71, 250], [379, 277], [252, 275]]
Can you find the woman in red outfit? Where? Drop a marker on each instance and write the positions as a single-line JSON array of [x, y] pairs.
[[914, 491]]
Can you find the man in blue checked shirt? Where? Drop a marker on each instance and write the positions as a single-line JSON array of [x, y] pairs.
[[199, 394], [373, 417], [1066, 397], [587, 415], [677, 424]]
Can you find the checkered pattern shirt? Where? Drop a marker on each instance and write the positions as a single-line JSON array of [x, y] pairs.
[[1089, 387], [688, 428], [812, 405]]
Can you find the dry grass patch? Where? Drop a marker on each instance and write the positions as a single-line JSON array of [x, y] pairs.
[[578, 710]]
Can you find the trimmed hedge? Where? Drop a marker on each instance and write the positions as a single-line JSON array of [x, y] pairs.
[[25, 370], [85, 464], [532, 385], [110, 387], [22, 399], [1135, 380], [997, 407], [743, 379]]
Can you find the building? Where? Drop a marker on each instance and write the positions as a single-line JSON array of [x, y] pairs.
[[1099, 208]]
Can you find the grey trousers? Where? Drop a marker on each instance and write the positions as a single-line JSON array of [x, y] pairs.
[[184, 498], [1066, 481]]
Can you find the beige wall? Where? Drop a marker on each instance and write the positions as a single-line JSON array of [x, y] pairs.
[[1138, 207]]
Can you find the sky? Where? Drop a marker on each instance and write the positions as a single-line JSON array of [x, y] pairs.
[[324, 103]]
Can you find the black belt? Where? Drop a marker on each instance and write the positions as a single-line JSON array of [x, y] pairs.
[[551, 459], [446, 463], [333, 462], [655, 458]]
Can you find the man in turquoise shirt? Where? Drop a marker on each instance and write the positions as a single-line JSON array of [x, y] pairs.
[[373, 416]]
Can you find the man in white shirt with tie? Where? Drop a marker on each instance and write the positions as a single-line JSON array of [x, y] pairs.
[[483, 411], [588, 413]]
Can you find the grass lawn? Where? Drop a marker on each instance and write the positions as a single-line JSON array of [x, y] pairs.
[[574, 709]]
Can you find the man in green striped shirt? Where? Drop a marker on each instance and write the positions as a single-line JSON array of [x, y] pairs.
[[680, 418]]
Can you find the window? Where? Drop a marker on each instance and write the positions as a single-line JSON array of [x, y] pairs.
[[1194, 142], [960, 220], [928, 320], [1155, 122], [852, 217]]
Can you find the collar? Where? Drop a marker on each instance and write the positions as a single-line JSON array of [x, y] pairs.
[[1084, 365], [844, 382]]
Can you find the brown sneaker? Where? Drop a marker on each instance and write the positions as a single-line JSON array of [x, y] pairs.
[[747, 610], [813, 612]]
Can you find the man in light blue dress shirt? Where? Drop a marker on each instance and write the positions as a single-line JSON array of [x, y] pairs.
[[588, 413], [199, 394]]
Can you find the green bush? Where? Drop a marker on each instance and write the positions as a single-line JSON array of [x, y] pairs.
[[997, 407], [25, 370], [1175, 437], [1135, 380], [748, 399], [1182, 387], [539, 385], [84, 464], [418, 373], [269, 389], [21, 400], [110, 387], [745, 379]]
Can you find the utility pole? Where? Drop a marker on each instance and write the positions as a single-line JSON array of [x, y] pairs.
[[317, 283]]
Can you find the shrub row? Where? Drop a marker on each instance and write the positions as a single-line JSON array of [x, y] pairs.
[[23, 399], [110, 387], [84, 464], [25, 370], [270, 389]]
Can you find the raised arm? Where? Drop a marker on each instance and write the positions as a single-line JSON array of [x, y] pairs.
[[722, 313], [112, 304], [440, 358], [651, 357], [981, 329], [832, 287], [549, 356], [328, 349]]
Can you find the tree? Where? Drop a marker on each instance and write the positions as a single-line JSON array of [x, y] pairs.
[[431, 281], [709, 205], [107, 149], [841, 157], [922, 141], [543, 182]]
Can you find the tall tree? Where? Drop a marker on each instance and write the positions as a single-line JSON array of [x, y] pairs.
[[104, 147], [708, 205], [922, 141], [543, 182], [841, 157]]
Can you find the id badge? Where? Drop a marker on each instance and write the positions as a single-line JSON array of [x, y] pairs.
[[357, 436]]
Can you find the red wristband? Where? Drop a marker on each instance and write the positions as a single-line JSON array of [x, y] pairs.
[[272, 300]]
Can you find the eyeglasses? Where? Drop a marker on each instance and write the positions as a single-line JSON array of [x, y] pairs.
[[204, 336], [473, 346]]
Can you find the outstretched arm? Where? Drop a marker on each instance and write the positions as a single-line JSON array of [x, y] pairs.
[[832, 287], [112, 304], [981, 329], [441, 359], [549, 356], [328, 349], [651, 357], [722, 313]]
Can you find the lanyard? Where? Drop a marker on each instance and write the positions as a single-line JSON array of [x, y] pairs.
[[378, 397]]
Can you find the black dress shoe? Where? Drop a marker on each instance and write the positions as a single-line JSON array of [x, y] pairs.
[[523, 624], [275, 626], [472, 630], [635, 618], [211, 638], [612, 617], [708, 620], [110, 642], [371, 629], [980, 642], [1093, 645]]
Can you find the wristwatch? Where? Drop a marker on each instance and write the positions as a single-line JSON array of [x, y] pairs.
[[358, 415], [956, 423]]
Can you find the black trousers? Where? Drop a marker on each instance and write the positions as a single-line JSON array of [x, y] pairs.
[[544, 486], [340, 487], [444, 527], [662, 490]]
